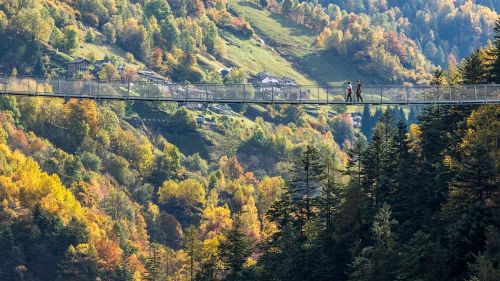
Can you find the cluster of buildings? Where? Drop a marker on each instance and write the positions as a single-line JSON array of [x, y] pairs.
[[266, 85], [82, 65], [268, 79], [274, 87]]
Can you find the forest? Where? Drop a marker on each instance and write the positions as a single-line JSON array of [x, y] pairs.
[[401, 40], [394, 41], [92, 191], [95, 190]]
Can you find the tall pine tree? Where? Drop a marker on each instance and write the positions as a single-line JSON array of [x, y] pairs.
[[473, 69], [495, 69]]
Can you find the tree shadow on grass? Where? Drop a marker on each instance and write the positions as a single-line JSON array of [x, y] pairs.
[[326, 67]]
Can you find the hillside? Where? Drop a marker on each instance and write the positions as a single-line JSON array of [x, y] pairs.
[[296, 44], [394, 41], [313, 43], [123, 190], [98, 190]]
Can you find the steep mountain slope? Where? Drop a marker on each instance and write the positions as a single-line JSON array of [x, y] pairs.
[[389, 41], [296, 44]]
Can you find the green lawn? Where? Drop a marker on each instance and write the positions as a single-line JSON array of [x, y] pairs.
[[101, 50], [296, 44], [249, 54], [209, 63]]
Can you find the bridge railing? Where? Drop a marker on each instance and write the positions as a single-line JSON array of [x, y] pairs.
[[241, 93]]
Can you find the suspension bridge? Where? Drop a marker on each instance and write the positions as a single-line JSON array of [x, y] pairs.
[[160, 91]]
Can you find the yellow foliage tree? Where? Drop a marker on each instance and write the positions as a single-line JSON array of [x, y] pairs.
[[269, 191], [23, 186], [250, 220], [214, 221], [34, 23], [109, 72], [191, 191]]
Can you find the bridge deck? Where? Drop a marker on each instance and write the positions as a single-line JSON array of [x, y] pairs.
[[247, 93]]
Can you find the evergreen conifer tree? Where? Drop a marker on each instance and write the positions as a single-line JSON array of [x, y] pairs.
[[495, 68], [473, 69], [379, 162], [366, 122], [378, 262], [234, 251], [306, 176], [193, 247], [153, 263]]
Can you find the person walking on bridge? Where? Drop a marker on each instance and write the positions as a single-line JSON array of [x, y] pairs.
[[358, 92], [349, 92]]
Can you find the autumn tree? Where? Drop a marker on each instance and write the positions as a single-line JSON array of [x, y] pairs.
[[438, 77], [109, 72], [34, 23]]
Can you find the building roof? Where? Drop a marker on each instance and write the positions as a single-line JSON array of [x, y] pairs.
[[267, 78], [102, 62], [150, 74], [79, 60], [263, 74]]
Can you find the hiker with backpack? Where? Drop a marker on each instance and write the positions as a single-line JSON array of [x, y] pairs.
[[358, 92]]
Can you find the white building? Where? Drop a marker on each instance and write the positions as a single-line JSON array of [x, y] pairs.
[[356, 119]]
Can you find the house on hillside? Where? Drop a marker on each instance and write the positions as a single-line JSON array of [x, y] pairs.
[[357, 118], [78, 65], [273, 87], [200, 120], [99, 64], [150, 76], [287, 81], [225, 71], [268, 79], [265, 78], [196, 106]]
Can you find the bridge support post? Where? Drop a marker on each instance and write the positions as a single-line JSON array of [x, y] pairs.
[[300, 94], [244, 93], [128, 89], [381, 94], [436, 94], [460, 96], [158, 89], [327, 89], [272, 94], [485, 90], [215, 93]]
